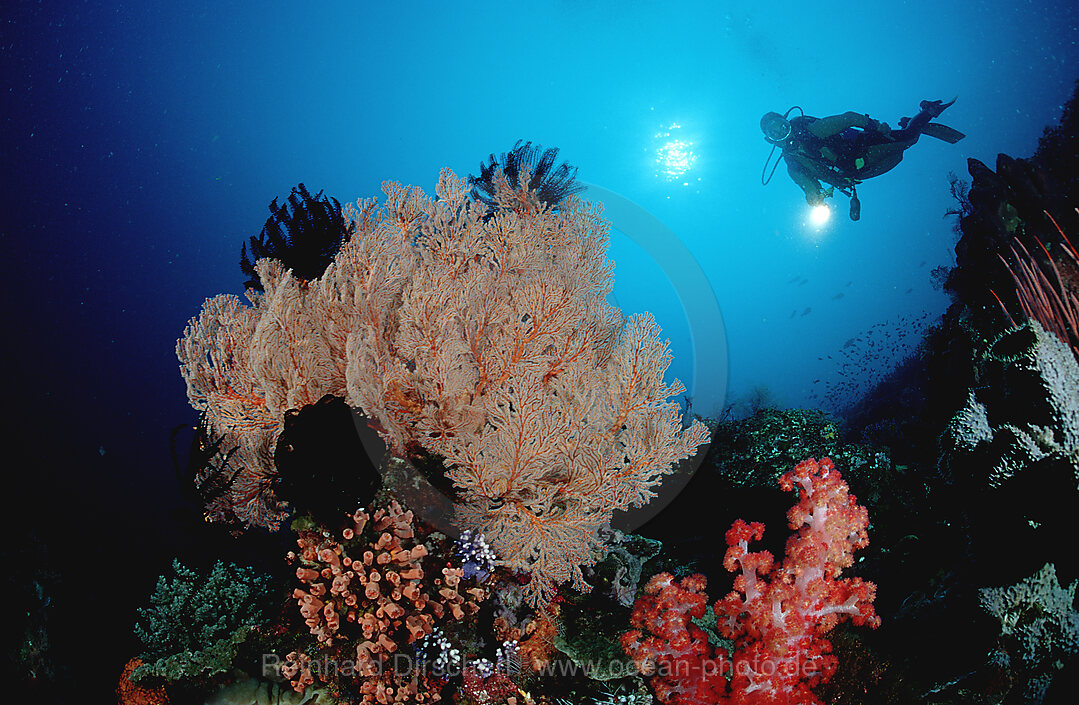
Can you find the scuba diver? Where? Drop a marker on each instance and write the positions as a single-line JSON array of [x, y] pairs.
[[845, 150]]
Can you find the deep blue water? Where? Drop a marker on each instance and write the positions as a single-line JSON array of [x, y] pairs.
[[142, 142]]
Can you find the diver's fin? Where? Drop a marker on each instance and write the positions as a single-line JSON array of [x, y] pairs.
[[942, 132], [936, 107]]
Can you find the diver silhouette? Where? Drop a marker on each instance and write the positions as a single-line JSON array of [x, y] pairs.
[[845, 150]]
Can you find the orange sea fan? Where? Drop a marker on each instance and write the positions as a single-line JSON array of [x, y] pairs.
[[483, 336], [550, 411]]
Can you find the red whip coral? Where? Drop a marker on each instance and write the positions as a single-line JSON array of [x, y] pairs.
[[777, 616], [373, 594], [1046, 288]]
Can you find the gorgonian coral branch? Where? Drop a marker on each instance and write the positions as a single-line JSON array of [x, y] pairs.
[[482, 336]]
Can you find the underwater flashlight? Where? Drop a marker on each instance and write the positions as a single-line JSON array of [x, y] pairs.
[[820, 215]]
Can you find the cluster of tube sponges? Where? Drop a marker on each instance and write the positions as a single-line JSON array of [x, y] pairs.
[[375, 595]]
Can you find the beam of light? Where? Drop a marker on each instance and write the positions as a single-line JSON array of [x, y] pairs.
[[820, 215]]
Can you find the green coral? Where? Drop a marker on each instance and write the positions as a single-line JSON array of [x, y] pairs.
[[619, 573], [754, 452], [591, 624], [195, 624], [588, 635]]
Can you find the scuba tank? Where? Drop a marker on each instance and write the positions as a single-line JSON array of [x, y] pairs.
[[855, 204]]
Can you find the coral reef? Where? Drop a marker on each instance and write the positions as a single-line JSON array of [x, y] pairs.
[[460, 348], [1004, 489], [1012, 453], [743, 465], [1025, 412], [1018, 218], [757, 450], [1014, 219]]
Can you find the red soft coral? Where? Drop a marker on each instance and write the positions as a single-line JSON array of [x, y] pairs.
[[668, 646], [777, 616]]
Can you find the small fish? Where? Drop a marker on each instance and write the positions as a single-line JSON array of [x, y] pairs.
[[793, 313], [795, 278], [807, 311], [803, 282], [908, 291], [838, 296]]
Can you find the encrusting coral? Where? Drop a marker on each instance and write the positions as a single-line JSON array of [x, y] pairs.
[[1039, 626], [481, 336], [1026, 413]]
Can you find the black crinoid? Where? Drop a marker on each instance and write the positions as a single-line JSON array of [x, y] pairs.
[[305, 239], [208, 474], [551, 183], [327, 460]]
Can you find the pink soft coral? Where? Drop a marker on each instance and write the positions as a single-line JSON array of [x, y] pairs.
[[776, 616]]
